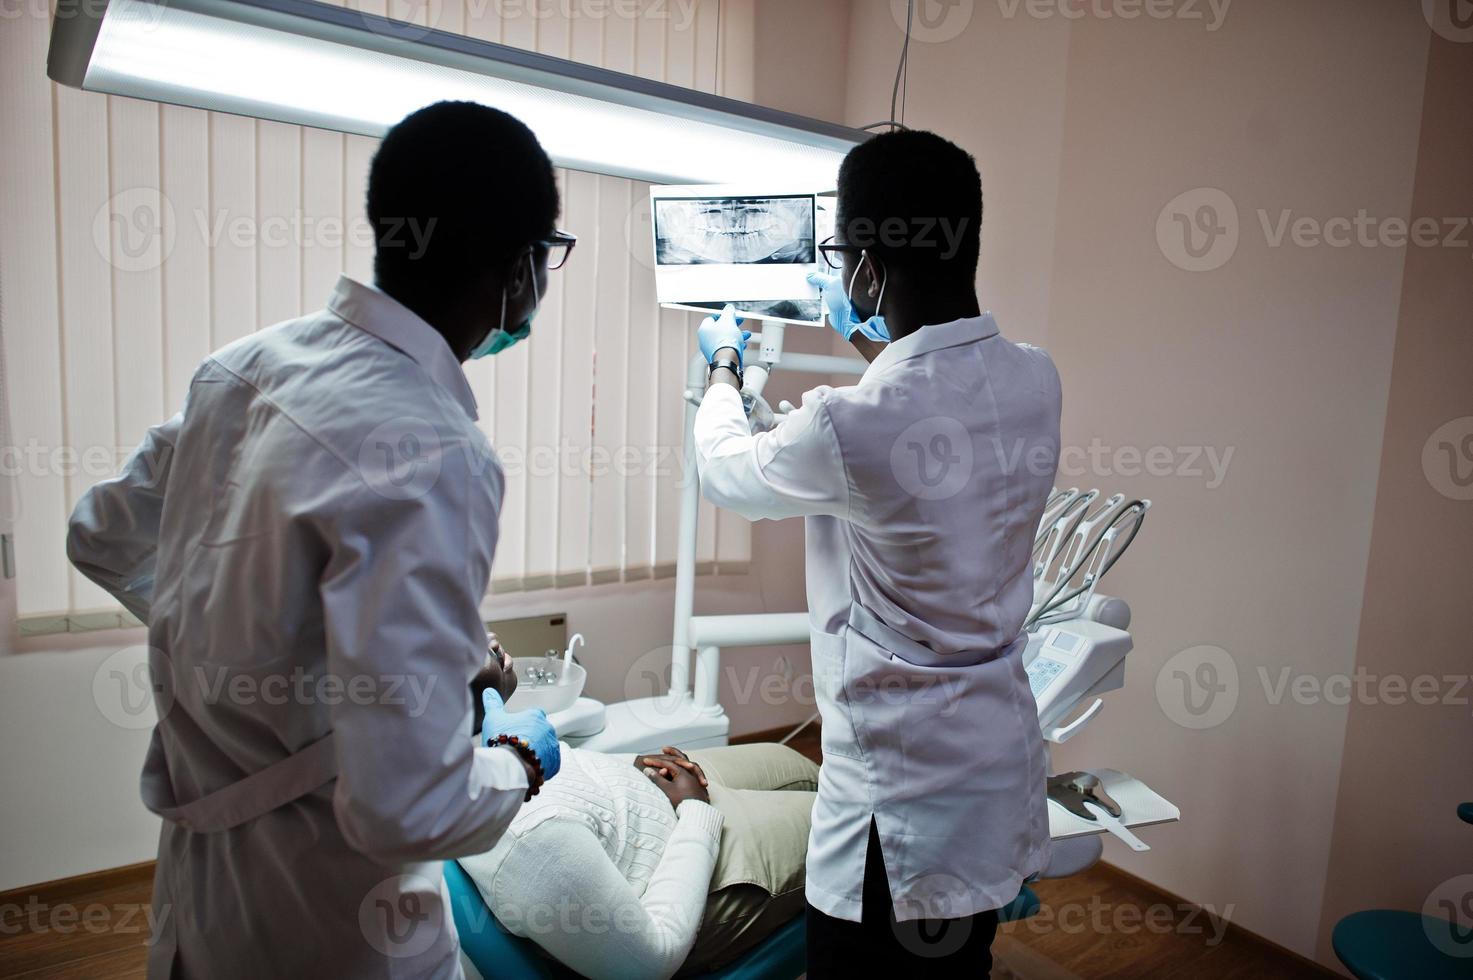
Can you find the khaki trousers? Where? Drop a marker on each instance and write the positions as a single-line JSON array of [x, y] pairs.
[[765, 793]]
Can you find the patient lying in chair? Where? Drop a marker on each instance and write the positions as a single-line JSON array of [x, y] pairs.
[[646, 866]]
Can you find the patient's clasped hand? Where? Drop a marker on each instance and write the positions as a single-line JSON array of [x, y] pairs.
[[649, 865]]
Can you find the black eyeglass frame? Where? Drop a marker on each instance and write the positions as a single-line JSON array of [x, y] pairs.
[[559, 239], [829, 248]]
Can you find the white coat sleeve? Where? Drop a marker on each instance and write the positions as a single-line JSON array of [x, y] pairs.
[[795, 469], [113, 535], [558, 888], [400, 595]]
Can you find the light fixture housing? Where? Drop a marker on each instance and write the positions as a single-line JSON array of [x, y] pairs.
[[330, 67]]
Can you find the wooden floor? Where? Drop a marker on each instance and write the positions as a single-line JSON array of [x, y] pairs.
[[1099, 924], [1094, 925]]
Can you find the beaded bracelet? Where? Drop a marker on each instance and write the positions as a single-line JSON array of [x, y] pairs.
[[525, 751]]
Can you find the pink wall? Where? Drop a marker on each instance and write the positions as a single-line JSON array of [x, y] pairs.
[[1406, 762], [1280, 354]]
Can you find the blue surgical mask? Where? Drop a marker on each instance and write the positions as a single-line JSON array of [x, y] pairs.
[[875, 327], [499, 339]]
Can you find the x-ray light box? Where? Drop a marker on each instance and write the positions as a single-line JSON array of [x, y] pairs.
[[751, 247]]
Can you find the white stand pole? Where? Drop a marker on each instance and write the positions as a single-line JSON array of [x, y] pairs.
[[685, 560], [749, 630]]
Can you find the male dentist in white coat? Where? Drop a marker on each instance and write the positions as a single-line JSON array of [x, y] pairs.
[[922, 486], [308, 542]]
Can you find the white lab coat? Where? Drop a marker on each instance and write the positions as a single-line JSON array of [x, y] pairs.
[[922, 486], [308, 542]]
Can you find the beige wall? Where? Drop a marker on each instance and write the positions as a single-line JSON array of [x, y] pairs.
[[1407, 765], [998, 89], [1282, 355], [803, 53]]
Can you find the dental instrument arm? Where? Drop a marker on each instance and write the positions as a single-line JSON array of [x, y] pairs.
[[1095, 567], [113, 535], [558, 887]]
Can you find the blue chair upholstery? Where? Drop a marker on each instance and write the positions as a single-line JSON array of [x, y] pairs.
[[497, 953], [494, 951], [1022, 907], [1389, 944], [781, 956]]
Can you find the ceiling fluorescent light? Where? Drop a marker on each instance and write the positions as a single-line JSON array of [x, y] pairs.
[[330, 67]]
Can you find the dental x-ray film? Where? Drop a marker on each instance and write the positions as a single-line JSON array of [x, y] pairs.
[[751, 246]]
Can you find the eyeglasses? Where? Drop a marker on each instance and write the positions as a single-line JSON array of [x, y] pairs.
[[833, 252], [558, 247]]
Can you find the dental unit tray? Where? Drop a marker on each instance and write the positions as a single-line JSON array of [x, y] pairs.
[[1139, 805], [1073, 790]]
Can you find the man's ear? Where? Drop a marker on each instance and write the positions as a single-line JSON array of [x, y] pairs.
[[521, 275], [875, 269]]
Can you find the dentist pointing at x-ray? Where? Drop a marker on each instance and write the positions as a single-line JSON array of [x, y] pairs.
[[931, 809]]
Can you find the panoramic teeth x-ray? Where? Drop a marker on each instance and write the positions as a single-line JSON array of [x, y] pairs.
[[752, 244], [787, 310], [734, 230]]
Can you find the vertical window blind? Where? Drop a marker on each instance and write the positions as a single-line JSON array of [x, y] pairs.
[[139, 237]]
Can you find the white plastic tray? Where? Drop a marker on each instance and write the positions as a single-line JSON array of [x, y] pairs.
[[1140, 806]]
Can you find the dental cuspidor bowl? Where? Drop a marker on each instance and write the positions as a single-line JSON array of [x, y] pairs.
[[553, 697]]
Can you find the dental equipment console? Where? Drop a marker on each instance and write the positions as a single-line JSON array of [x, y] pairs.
[[1077, 643]]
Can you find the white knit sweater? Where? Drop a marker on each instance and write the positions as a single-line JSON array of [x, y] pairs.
[[600, 871]]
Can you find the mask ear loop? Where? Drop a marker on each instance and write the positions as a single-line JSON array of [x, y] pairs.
[[880, 303], [536, 297], [849, 289], [849, 286]]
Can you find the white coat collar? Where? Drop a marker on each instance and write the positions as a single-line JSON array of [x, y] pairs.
[[376, 312], [934, 337]]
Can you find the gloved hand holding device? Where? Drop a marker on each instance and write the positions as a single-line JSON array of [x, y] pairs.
[[841, 311], [723, 331], [522, 728]]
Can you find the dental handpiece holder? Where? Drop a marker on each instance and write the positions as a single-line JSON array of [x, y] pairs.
[[1078, 641]]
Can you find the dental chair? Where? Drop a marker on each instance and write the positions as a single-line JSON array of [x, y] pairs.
[[497, 953], [1078, 640], [1389, 944]]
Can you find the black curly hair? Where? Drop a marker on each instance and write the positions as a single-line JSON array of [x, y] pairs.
[[914, 199], [455, 187]]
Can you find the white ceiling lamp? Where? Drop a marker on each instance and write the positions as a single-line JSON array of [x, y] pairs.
[[330, 67]]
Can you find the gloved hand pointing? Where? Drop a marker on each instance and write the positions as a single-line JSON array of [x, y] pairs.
[[831, 291], [841, 312], [724, 331], [532, 726]]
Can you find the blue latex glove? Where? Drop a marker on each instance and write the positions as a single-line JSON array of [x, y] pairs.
[[723, 331], [841, 312], [835, 303], [531, 725]]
